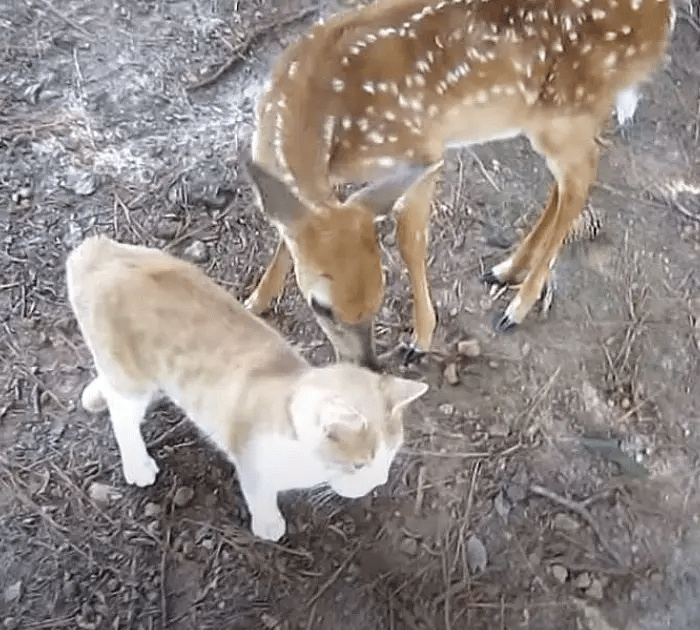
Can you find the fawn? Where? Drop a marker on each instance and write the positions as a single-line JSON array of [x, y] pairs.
[[377, 94]]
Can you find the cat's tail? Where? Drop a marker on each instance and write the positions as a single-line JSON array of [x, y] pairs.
[[87, 256], [83, 262]]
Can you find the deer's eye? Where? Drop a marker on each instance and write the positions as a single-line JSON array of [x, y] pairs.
[[321, 309]]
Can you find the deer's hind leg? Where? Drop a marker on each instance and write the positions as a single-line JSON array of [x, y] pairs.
[[573, 159]]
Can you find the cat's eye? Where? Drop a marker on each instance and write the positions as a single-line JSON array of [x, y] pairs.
[[321, 309]]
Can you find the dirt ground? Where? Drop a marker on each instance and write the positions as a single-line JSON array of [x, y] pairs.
[[555, 486]]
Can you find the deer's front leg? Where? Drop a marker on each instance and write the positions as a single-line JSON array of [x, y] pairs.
[[412, 226], [272, 282]]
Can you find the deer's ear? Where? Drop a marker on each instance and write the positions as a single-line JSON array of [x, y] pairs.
[[379, 197], [276, 197]]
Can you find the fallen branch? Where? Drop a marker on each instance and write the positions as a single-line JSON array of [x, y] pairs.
[[239, 51], [582, 511]]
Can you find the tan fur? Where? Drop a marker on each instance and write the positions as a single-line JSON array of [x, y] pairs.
[[157, 325], [379, 92]]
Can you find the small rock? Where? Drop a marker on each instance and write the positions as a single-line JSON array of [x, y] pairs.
[[595, 590], [13, 592], [151, 509], [183, 496], [515, 492], [152, 596], [113, 584], [270, 622], [560, 573], [498, 429], [102, 493], [167, 230], [476, 555], [450, 374], [10, 623], [197, 252], [470, 348], [70, 589], [583, 580], [447, 409], [500, 503], [409, 546], [81, 183], [208, 543], [565, 523]]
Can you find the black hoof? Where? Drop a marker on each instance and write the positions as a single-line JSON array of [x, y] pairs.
[[409, 353], [490, 278], [502, 323]]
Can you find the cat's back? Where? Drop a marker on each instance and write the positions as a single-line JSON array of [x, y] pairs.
[[147, 301]]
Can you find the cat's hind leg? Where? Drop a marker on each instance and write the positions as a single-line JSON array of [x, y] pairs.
[[126, 411]]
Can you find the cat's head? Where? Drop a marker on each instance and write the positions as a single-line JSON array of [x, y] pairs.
[[353, 420]]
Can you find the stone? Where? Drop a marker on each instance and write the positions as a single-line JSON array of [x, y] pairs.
[[151, 509], [560, 573], [13, 592], [595, 590], [583, 580], [197, 252], [565, 523], [409, 546], [469, 348], [183, 496], [451, 375]]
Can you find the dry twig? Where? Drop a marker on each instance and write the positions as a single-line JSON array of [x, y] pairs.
[[580, 509]]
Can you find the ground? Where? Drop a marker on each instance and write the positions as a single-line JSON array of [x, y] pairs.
[[551, 482]]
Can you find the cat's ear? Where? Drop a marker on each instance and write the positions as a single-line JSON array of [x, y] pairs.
[[338, 420], [402, 391]]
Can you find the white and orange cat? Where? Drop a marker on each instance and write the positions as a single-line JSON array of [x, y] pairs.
[[157, 325]]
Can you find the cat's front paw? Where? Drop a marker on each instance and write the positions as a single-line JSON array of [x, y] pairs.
[[141, 472], [268, 526]]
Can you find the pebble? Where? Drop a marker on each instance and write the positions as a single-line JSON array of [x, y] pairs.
[[595, 590], [208, 543], [560, 573], [447, 409], [151, 509], [498, 429], [469, 348], [565, 523], [183, 496], [81, 183], [10, 623], [102, 493], [583, 580], [450, 374], [13, 592], [409, 546], [477, 558], [197, 252], [500, 503], [515, 492]]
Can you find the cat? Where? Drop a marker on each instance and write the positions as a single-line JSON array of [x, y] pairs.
[[157, 325]]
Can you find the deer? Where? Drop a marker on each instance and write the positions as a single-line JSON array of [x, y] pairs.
[[377, 94]]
